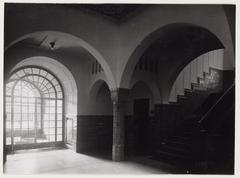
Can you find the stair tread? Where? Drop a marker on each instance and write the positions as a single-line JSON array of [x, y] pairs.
[[177, 149], [181, 137], [171, 154], [174, 103], [177, 142], [182, 96]]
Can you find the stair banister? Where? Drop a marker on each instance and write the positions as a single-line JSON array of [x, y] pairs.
[[221, 120], [206, 114]]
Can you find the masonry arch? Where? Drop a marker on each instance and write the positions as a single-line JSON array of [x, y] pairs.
[[100, 98], [215, 21], [152, 86], [176, 44], [95, 84], [60, 71], [94, 88], [96, 131], [65, 41]]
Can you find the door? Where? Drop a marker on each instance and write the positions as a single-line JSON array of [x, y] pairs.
[[34, 110], [141, 119]]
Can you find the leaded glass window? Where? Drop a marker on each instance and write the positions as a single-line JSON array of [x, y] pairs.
[[33, 107]]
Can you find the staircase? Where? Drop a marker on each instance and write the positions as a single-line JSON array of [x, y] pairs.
[[177, 148], [198, 142], [199, 76]]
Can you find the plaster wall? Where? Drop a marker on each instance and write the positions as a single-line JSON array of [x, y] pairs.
[[72, 69], [145, 28], [118, 46]]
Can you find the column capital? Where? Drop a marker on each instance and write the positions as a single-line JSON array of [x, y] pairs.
[[119, 94]]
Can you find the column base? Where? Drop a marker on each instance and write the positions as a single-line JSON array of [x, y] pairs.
[[118, 152]]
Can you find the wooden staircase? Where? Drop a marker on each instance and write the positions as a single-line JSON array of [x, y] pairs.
[[193, 140], [177, 148], [199, 75]]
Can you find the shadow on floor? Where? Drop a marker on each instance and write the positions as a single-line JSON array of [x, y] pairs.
[[100, 155], [157, 164], [142, 160], [25, 151]]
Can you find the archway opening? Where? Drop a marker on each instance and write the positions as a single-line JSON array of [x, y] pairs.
[[159, 59], [34, 103], [167, 50], [95, 129], [165, 56]]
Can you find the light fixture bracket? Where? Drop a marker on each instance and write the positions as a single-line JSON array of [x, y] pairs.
[[52, 44]]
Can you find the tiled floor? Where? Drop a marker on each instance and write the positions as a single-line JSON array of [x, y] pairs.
[[65, 161]]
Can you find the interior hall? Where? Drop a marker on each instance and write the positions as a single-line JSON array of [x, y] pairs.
[[119, 88]]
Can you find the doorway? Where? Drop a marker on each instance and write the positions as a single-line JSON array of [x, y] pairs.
[[141, 123], [33, 109]]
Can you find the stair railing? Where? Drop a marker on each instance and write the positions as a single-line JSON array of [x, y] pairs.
[[200, 135], [218, 101], [222, 119]]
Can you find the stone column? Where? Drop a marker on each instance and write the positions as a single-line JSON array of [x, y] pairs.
[[119, 99]]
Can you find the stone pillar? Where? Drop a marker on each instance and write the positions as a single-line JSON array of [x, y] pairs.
[[119, 99]]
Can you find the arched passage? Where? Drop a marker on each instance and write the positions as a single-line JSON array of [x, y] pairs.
[[148, 42], [68, 51], [95, 130], [100, 98], [64, 41], [172, 46], [152, 86]]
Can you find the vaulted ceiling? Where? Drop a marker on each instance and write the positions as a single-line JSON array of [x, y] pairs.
[[117, 12]]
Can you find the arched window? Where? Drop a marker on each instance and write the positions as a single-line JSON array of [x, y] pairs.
[[33, 108]]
